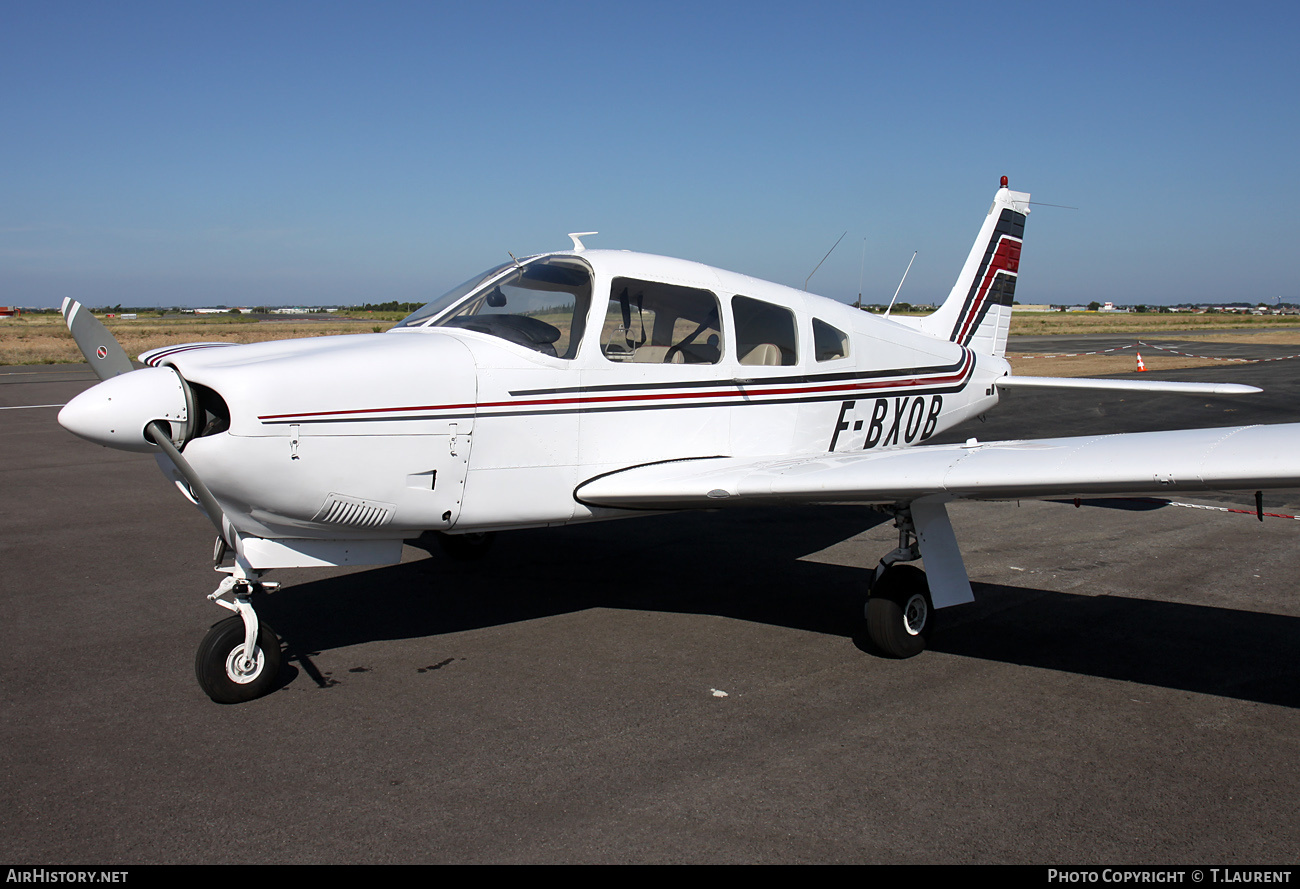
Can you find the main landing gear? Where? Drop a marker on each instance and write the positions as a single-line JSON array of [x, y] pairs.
[[899, 611], [900, 615], [239, 659]]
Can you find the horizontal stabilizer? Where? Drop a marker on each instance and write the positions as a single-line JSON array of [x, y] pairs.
[[1125, 385]]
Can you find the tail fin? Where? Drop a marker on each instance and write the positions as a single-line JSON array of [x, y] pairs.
[[977, 313]]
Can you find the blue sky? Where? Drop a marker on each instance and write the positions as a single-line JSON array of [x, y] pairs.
[[181, 153]]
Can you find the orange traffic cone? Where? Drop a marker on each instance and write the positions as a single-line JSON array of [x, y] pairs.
[[1141, 366]]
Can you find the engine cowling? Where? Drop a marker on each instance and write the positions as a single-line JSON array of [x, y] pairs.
[[115, 412]]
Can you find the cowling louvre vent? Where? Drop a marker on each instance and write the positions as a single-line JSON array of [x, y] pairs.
[[353, 512]]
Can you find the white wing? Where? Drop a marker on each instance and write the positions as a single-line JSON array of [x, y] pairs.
[[1238, 458]]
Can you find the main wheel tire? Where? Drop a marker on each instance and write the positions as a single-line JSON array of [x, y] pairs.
[[466, 547], [222, 670], [900, 615]]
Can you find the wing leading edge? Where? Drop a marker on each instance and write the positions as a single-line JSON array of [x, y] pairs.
[[1236, 458]]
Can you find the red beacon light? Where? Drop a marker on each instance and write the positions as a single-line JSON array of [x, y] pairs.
[[1004, 181]]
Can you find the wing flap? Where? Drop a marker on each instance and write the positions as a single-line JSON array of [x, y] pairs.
[[1236, 458]]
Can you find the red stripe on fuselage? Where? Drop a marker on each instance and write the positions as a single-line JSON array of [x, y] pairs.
[[847, 388]]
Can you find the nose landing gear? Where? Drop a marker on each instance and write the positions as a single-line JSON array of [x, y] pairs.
[[239, 659], [225, 669]]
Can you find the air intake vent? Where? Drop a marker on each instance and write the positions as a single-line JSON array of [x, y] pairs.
[[353, 512]]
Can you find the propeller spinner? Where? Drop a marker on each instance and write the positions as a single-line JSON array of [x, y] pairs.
[[135, 410]]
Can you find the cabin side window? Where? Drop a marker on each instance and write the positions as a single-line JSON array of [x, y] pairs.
[[648, 322], [765, 333], [829, 342]]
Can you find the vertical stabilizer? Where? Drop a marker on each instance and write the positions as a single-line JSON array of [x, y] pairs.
[[977, 313]]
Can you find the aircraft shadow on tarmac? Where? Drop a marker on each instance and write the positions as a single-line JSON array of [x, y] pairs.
[[748, 566], [1197, 648]]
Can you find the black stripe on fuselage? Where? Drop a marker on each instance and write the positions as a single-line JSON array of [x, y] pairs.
[[754, 381], [493, 413], [490, 415]]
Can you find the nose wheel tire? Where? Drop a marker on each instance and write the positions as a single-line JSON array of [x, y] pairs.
[[227, 673], [900, 615]]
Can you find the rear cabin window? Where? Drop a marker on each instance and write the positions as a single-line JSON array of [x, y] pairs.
[[648, 322], [829, 342], [764, 333]]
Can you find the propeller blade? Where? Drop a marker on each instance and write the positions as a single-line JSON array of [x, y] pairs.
[[102, 352]]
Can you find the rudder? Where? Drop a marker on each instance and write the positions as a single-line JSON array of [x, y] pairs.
[[977, 312]]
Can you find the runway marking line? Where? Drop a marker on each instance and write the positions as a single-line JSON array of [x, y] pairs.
[[1273, 515], [1145, 345], [1163, 501]]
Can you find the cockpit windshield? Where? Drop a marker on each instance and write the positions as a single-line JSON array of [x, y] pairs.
[[541, 304], [450, 298]]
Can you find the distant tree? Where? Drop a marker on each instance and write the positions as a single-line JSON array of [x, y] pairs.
[[236, 312], [392, 306], [1094, 306], [1140, 309]]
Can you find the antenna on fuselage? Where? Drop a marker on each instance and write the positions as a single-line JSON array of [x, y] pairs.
[[577, 244], [819, 265], [900, 283], [862, 269]]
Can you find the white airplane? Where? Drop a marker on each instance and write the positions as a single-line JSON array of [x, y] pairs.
[[599, 384]]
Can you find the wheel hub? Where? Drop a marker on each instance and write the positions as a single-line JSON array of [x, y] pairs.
[[915, 614], [242, 669]]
